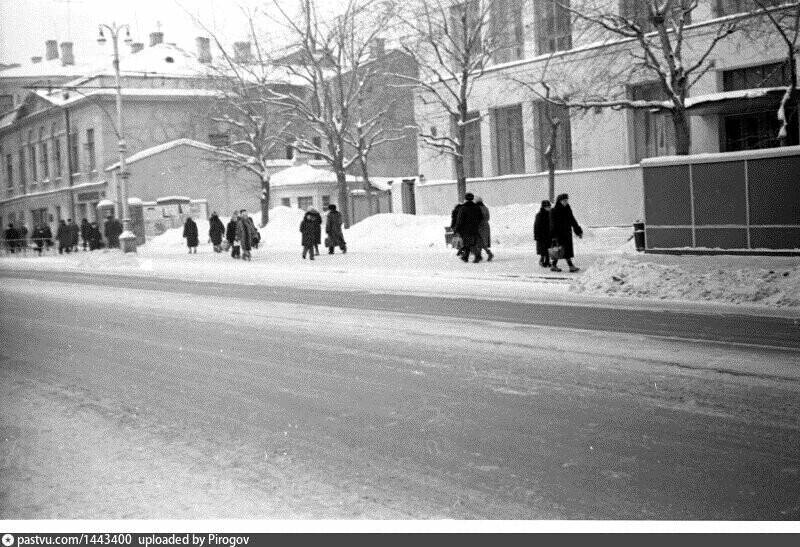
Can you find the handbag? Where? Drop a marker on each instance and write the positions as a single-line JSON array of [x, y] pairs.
[[328, 242], [556, 252], [226, 245], [457, 242]]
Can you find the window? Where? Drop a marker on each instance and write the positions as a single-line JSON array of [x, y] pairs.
[[22, 167], [326, 200], [73, 153], [654, 133], [508, 140], [473, 159], [32, 157], [91, 160], [39, 216], [771, 75], [562, 156], [466, 23], [317, 141], [507, 31], [728, 7], [553, 27], [57, 156], [289, 151], [305, 202], [44, 159], [219, 139], [286, 202]]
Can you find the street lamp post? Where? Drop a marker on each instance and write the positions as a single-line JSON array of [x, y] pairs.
[[127, 239]]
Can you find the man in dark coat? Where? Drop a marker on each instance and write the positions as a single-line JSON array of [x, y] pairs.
[[38, 238], [230, 235], [216, 231], [93, 234], [316, 219], [453, 219], [245, 234], [85, 227], [191, 235], [11, 235], [64, 237], [562, 223], [308, 231], [333, 229], [468, 226], [112, 230], [47, 235], [541, 234], [74, 234]]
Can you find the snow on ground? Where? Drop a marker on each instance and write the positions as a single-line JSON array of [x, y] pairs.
[[410, 250]]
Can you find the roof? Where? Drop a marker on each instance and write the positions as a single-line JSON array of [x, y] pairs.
[[305, 174], [152, 151]]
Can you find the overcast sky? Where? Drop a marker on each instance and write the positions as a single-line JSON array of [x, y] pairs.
[[25, 25]]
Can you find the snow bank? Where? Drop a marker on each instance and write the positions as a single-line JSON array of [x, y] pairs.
[[621, 276]]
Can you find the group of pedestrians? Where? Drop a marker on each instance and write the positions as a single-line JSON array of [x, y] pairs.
[[469, 222], [552, 231], [240, 235], [311, 232], [68, 236]]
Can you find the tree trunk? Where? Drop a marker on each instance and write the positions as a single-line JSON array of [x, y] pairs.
[[683, 137], [367, 187], [344, 204], [549, 156], [265, 190]]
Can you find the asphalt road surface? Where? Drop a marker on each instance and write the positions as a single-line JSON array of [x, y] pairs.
[[416, 407]]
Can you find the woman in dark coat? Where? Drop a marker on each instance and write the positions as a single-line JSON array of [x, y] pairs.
[[562, 223], [541, 234], [308, 229], [245, 234], [64, 237], [316, 217], [191, 235], [484, 230], [333, 228], [216, 231], [230, 235]]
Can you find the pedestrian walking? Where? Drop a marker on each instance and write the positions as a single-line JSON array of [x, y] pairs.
[[308, 231], [316, 217], [112, 229], [458, 242], [216, 231], [95, 240], [85, 228], [245, 234], [230, 235], [333, 230], [541, 234], [562, 224], [191, 235], [484, 230], [11, 236], [22, 239], [47, 234], [468, 226], [74, 234], [38, 238], [64, 237]]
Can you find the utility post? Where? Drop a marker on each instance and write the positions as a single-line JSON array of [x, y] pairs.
[[127, 239]]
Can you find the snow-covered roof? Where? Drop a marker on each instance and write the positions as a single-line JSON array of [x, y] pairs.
[[305, 174], [743, 94], [54, 68], [57, 97], [153, 150], [167, 199]]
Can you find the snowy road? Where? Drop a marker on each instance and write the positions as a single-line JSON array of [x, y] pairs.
[[151, 401]]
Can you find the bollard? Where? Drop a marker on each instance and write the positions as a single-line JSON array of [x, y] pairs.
[[638, 235]]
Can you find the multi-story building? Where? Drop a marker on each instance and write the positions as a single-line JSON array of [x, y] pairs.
[[732, 106]]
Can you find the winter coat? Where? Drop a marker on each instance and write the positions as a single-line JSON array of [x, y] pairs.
[[230, 232], [190, 233], [562, 223], [112, 230], [11, 236], [63, 235], [541, 231], [317, 219], [308, 229], [454, 217], [47, 234], [85, 228], [468, 224], [38, 236], [333, 227], [255, 235], [245, 230], [93, 235], [216, 230], [74, 233], [483, 228]]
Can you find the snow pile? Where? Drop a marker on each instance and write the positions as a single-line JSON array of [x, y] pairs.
[[620, 276], [398, 231]]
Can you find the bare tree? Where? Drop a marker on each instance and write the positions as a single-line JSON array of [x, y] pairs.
[[255, 129], [787, 23], [654, 34], [341, 120], [453, 43]]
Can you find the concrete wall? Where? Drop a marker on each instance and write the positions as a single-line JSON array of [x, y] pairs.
[[599, 197]]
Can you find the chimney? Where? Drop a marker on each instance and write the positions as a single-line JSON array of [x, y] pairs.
[[67, 58], [241, 52], [37, 59], [156, 38], [377, 48], [136, 47], [203, 49], [52, 50]]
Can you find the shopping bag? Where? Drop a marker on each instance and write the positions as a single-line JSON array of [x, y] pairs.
[[556, 252], [457, 242]]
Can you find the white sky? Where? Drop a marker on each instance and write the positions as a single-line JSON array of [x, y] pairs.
[[25, 25]]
